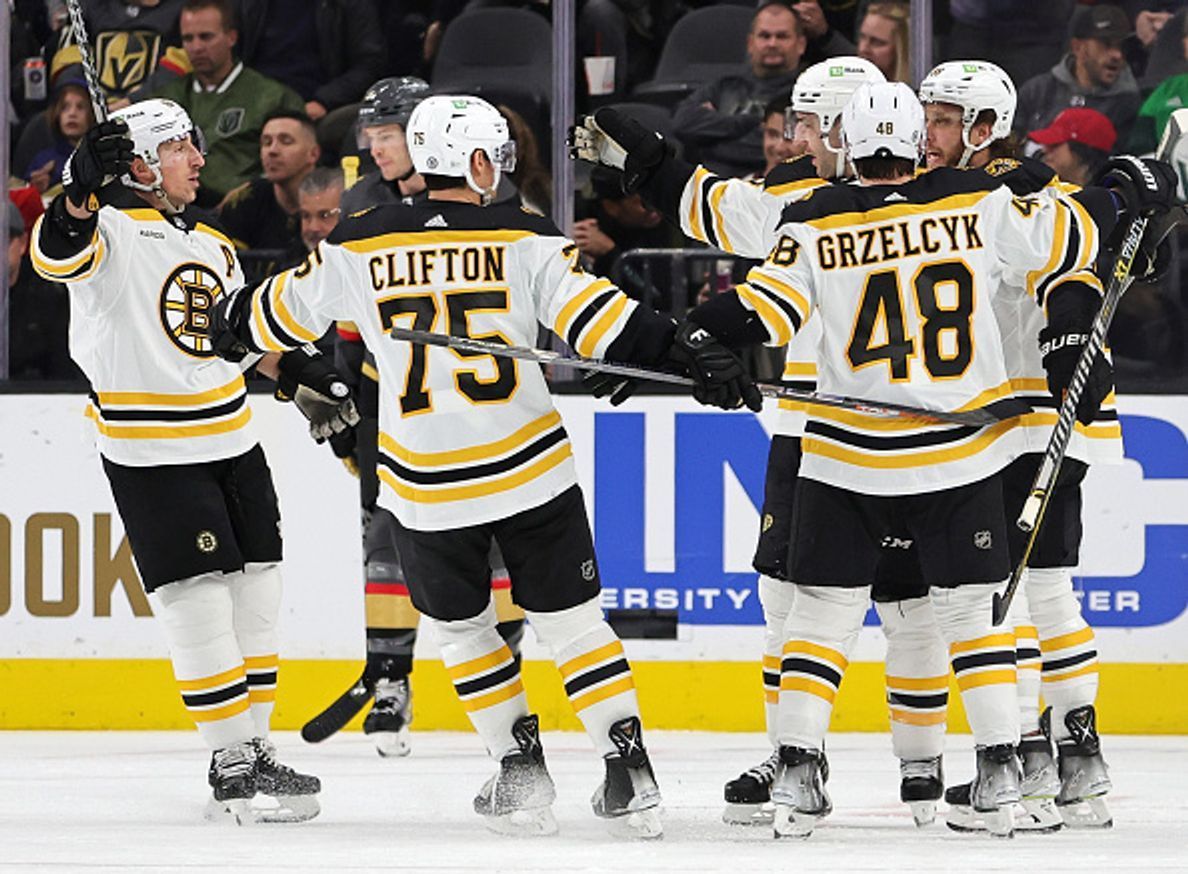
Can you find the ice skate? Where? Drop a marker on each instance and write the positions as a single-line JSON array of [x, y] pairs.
[[517, 799], [1040, 785], [748, 796], [629, 796], [387, 723], [232, 778], [288, 795], [1084, 777], [995, 790], [921, 784], [798, 792]]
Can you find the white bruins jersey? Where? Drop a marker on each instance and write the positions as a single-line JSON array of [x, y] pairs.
[[902, 278], [141, 292], [464, 438], [741, 218]]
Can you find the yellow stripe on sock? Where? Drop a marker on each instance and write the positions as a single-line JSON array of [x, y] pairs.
[[812, 687], [1090, 668], [609, 650], [261, 663], [482, 663], [610, 690], [1075, 638], [803, 647], [967, 681], [225, 712], [990, 641], [203, 683], [482, 702], [908, 717], [918, 684], [261, 696]]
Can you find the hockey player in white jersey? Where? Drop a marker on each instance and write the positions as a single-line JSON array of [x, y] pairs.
[[471, 447], [173, 430]]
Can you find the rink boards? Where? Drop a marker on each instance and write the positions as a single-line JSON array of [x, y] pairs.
[[673, 492]]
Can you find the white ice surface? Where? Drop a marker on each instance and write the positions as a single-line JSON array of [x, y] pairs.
[[132, 801]]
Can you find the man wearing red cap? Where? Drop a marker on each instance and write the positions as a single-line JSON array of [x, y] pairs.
[[1076, 143]]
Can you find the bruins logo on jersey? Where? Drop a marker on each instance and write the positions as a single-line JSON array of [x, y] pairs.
[[187, 298], [1002, 166], [126, 58]]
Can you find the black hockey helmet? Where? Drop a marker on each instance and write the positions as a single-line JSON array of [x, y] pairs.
[[392, 100]]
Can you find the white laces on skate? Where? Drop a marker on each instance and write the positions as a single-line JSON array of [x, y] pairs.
[[765, 771]]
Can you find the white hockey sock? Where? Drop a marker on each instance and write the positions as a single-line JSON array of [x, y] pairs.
[[593, 667], [256, 600], [486, 677], [983, 660], [1027, 658], [1070, 670], [196, 616], [917, 678], [820, 632], [776, 596]]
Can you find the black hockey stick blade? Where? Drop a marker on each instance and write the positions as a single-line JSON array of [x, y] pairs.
[[979, 417], [335, 717]]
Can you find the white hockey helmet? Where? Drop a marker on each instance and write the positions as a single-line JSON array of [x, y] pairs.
[[824, 89], [975, 86], [883, 120], [150, 124], [445, 130]]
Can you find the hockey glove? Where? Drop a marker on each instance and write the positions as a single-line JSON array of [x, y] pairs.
[[719, 379], [104, 153], [617, 140], [619, 388], [312, 383], [1070, 319], [1144, 186], [226, 314]]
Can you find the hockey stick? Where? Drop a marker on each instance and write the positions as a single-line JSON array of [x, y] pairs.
[[1034, 508], [977, 418], [340, 712], [98, 101]]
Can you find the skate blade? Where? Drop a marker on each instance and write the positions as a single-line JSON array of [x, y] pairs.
[[1038, 816], [923, 812], [233, 812], [284, 808], [748, 814], [1087, 813], [392, 744], [791, 823], [999, 823], [536, 822], [639, 825]]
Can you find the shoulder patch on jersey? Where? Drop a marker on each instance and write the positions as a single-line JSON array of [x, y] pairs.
[[1000, 166], [1022, 176]]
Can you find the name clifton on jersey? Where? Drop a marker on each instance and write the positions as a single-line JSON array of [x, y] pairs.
[[437, 265], [865, 246]]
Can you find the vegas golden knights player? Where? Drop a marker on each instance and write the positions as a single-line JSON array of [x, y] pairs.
[[173, 429]]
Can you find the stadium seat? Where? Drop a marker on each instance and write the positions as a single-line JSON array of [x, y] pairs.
[[704, 45]]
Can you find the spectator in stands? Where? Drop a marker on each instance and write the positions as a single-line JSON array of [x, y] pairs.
[[719, 122], [69, 116], [383, 115], [1172, 94], [226, 99], [883, 39], [1022, 36], [38, 312], [1093, 74], [326, 52], [777, 146], [319, 198], [1076, 143], [822, 39], [262, 213], [530, 178]]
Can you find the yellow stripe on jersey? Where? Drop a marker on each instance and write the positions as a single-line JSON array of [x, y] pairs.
[[204, 228], [798, 300], [160, 399], [87, 261], [592, 336], [168, 432], [264, 335], [144, 214], [897, 210], [794, 187], [923, 458], [1059, 244], [1097, 431], [776, 322], [477, 490], [281, 311], [1088, 230], [988, 396], [696, 227], [424, 238], [478, 452], [576, 304], [715, 204], [800, 368], [369, 371], [868, 422]]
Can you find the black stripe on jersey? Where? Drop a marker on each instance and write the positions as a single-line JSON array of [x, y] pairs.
[[1026, 653], [589, 678], [222, 409], [262, 678], [887, 444], [798, 169], [918, 702], [1071, 661], [280, 333], [829, 674], [771, 679], [461, 474], [1070, 255], [487, 681], [983, 660], [778, 300], [75, 273], [583, 318], [219, 696], [1051, 403], [707, 213]]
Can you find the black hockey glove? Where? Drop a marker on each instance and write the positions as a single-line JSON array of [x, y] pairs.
[[227, 314], [613, 139], [103, 153], [1144, 186], [618, 387], [311, 382], [719, 379], [1070, 319]]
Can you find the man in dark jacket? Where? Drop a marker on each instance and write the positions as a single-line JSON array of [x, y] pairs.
[[328, 51], [721, 121], [1093, 74]]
